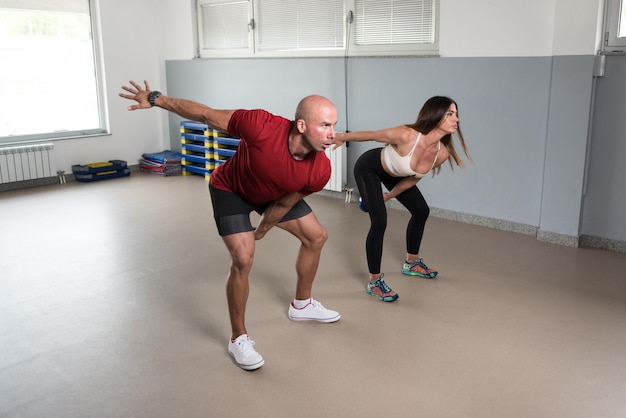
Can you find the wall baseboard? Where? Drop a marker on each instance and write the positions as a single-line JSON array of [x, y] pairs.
[[560, 239], [27, 184], [47, 181], [516, 227], [603, 243]]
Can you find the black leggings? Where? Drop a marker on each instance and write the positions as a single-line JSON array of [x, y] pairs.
[[369, 174]]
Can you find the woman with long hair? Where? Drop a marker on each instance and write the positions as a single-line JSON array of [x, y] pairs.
[[411, 152]]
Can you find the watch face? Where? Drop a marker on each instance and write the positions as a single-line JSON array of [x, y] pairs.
[[153, 96]]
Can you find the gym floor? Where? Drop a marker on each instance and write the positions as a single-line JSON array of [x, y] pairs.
[[112, 304]]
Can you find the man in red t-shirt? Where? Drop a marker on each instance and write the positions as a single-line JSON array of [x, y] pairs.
[[278, 162]]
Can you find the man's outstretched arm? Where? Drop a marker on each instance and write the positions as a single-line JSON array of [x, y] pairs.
[[188, 109]]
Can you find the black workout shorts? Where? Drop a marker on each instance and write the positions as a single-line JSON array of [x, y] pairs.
[[232, 213]]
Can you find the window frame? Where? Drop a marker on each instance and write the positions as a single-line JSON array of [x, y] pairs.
[[349, 49], [98, 68], [329, 20], [415, 49], [615, 10], [224, 52]]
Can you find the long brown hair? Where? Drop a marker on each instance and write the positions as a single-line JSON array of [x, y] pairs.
[[430, 117]]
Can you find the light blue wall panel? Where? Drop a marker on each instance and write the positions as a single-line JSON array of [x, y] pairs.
[[566, 144], [605, 199], [503, 106]]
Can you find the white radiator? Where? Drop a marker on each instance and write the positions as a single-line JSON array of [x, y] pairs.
[[27, 162], [338, 163]]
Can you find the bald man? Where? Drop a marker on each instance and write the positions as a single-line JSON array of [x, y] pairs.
[[278, 162]]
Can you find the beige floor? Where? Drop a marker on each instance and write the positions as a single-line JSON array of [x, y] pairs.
[[112, 305]]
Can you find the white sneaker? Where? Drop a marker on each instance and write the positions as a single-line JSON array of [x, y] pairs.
[[313, 311], [244, 354]]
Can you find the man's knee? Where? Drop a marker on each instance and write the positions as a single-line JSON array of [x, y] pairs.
[[320, 237], [323, 236], [242, 261], [316, 238]]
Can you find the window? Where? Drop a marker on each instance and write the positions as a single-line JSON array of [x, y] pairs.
[[615, 26], [265, 28], [225, 27], [300, 25], [49, 77], [394, 26]]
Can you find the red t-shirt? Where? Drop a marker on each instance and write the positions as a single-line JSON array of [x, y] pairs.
[[262, 169]]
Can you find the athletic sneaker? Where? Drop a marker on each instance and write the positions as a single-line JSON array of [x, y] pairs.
[[244, 354], [418, 268], [380, 289], [313, 311]]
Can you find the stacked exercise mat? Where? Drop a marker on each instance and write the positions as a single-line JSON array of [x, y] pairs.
[[100, 171], [164, 163], [204, 148]]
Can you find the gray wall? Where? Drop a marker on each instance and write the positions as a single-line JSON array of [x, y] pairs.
[[566, 146], [605, 193], [505, 136], [526, 121]]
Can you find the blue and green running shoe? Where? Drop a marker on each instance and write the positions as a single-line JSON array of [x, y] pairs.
[[380, 289], [418, 268]]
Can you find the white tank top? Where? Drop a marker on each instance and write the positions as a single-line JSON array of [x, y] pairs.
[[401, 166]]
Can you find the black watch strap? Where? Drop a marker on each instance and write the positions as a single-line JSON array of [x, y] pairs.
[[153, 96]]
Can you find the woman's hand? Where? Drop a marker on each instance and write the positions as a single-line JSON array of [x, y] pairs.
[[338, 140]]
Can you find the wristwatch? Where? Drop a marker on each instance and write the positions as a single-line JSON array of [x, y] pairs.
[[153, 96]]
